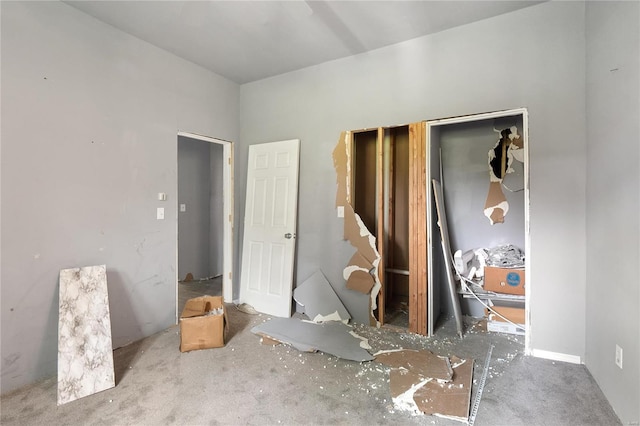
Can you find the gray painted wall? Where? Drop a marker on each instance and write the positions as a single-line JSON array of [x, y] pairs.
[[90, 118], [194, 189], [465, 149], [531, 58], [613, 202]]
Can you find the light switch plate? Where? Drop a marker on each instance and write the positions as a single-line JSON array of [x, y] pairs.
[[160, 213]]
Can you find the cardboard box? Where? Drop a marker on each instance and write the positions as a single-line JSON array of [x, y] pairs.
[[505, 327], [200, 328], [504, 280], [513, 314]]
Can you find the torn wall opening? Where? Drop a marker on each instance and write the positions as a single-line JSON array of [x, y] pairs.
[[383, 195], [361, 272], [381, 199], [380, 176]]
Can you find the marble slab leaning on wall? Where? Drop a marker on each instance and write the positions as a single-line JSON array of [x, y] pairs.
[[85, 352]]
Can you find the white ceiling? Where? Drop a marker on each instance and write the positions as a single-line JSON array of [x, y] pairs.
[[246, 41]]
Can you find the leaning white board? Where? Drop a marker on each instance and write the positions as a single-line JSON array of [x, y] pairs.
[[85, 351], [446, 249]]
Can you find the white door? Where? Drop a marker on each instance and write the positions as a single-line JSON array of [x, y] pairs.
[[268, 245]]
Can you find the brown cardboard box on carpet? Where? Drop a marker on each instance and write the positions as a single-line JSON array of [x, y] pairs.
[[203, 324]]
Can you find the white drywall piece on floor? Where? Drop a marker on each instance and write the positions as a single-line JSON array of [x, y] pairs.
[[332, 338], [85, 352], [319, 301]]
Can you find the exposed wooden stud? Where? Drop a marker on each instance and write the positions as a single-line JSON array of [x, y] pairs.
[[380, 222], [417, 231], [391, 196], [413, 205], [421, 233]]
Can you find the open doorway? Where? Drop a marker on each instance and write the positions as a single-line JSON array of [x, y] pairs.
[[205, 219]]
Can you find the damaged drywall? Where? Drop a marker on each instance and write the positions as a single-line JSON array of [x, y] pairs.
[[448, 399], [508, 149], [422, 382], [358, 260], [361, 272], [358, 279], [318, 300], [421, 363], [358, 274], [334, 338]]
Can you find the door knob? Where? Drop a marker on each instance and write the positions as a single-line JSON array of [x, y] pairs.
[[288, 235]]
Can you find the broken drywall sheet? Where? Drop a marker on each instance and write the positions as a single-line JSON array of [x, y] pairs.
[[358, 260], [405, 401], [422, 382], [367, 257], [85, 352], [373, 300], [365, 244], [358, 279], [342, 164], [333, 338], [320, 303], [423, 363], [359, 236], [508, 149], [268, 341], [364, 342], [496, 207], [451, 400]]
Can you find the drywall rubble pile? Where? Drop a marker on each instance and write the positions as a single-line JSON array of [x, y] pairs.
[[422, 382], [326, 332]]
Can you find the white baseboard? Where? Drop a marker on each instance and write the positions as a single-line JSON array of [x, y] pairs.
[[556, 356]]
